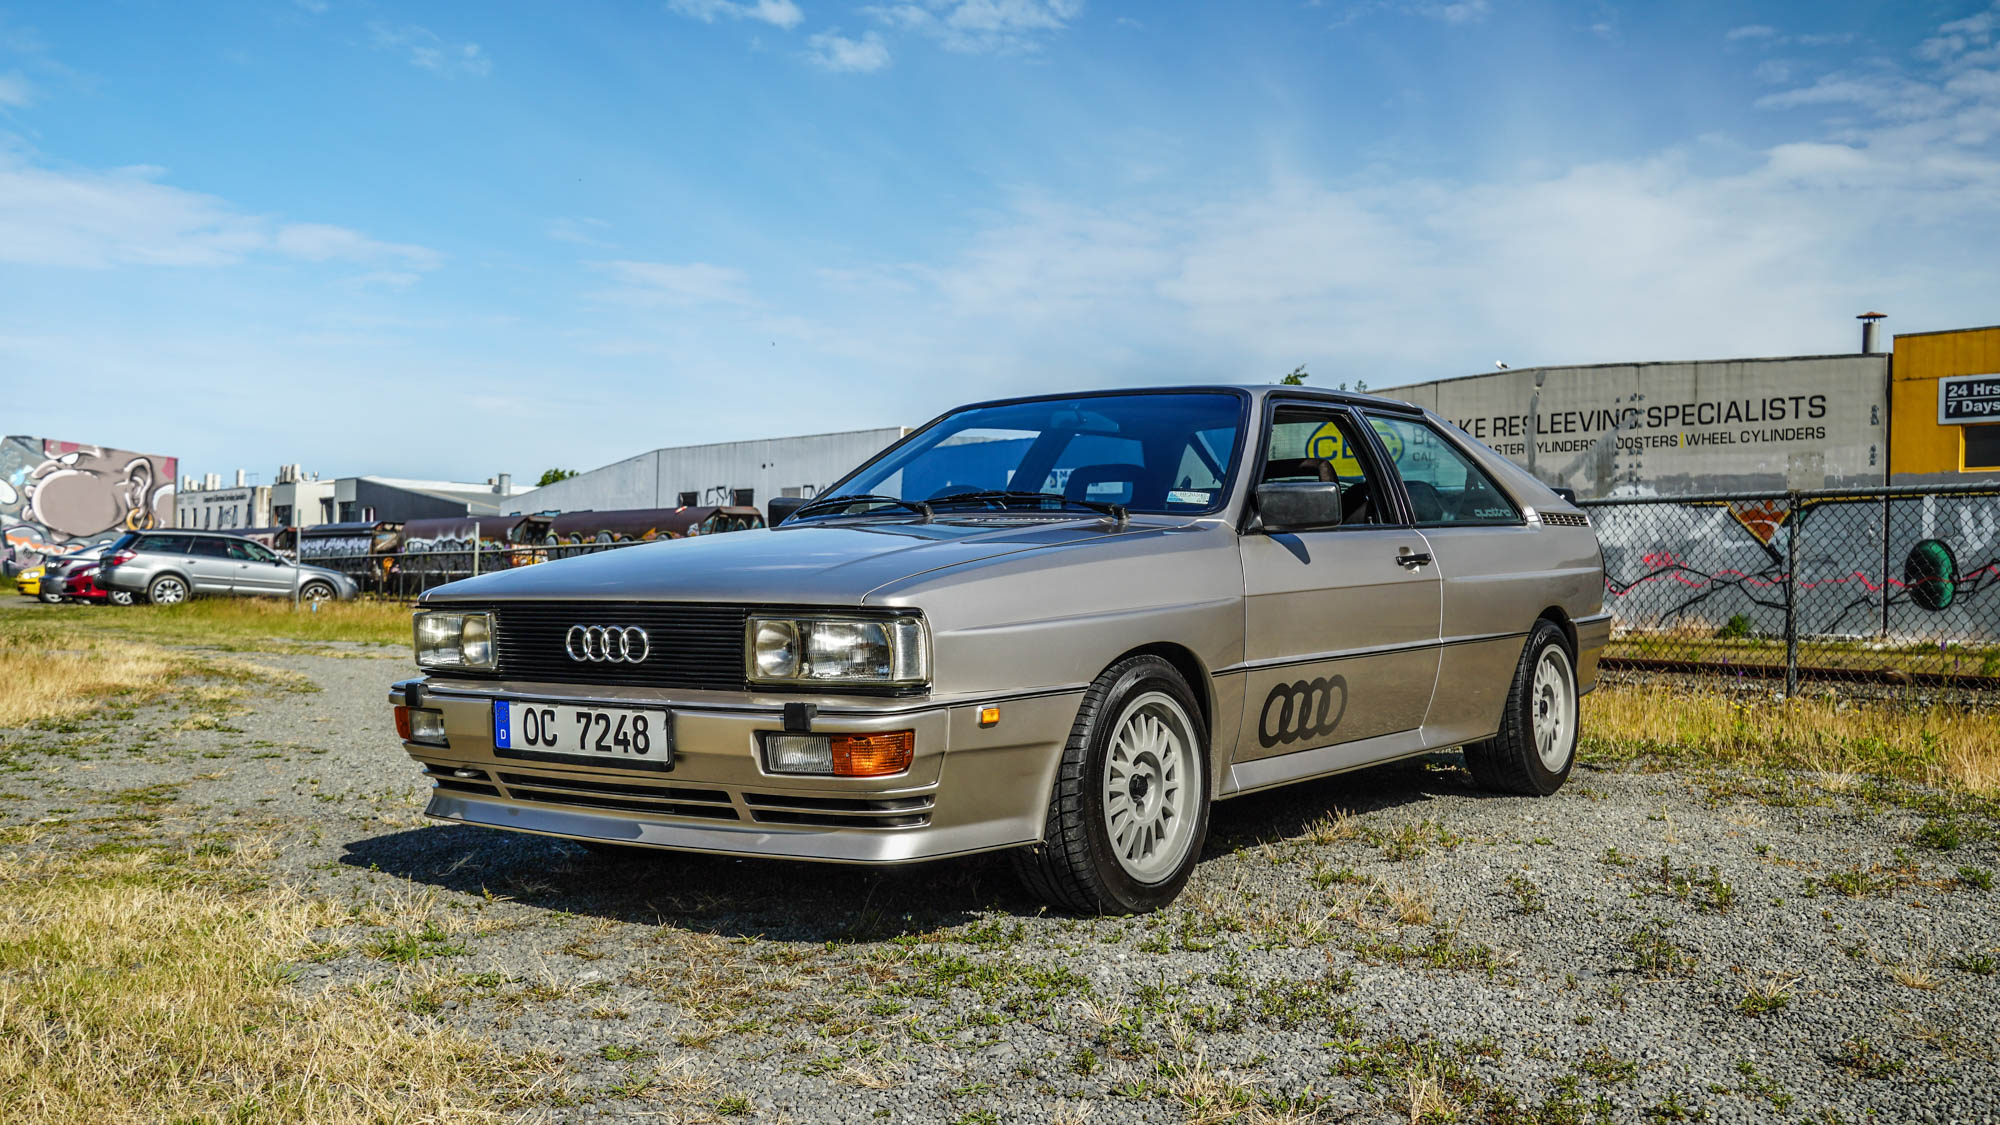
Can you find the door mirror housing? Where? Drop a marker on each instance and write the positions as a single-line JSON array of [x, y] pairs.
[[1298, 505], [781, 506]]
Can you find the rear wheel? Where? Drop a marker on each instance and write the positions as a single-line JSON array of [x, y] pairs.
[[167, 589], [1536, 747], [124, 597], [1129, 810]]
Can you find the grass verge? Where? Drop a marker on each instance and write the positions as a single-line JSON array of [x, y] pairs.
[[1939, 745], [257, 624], [152, 984], [50, 671]]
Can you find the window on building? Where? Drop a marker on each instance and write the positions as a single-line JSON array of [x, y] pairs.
[[281, 515], [1982, 447], [690, 499], [743, 497]]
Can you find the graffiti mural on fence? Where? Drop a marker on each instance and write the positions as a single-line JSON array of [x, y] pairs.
[[1906, 567], [58, 494]]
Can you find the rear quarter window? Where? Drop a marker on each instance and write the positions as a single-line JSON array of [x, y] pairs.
[[162, 544]]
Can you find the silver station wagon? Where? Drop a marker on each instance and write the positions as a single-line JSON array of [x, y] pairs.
[[1059, 625]]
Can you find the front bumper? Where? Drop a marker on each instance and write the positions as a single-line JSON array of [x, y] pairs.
[[968, 789]]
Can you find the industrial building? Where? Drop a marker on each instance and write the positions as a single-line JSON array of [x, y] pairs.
[[204, 502], [400, 500], [737, 472], [1926, 413]]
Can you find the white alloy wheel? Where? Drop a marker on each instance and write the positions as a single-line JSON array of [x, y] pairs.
[[122, 597], [1151, 784], [1553, 700], [316, 592], [168, 591]]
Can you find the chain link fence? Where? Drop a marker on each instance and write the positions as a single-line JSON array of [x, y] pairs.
[[1884, 586]]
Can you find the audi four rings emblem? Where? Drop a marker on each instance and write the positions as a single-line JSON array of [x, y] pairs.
[[607, 644], [1306, 709]]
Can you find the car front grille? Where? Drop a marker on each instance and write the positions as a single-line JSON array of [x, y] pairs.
[[690, 646]]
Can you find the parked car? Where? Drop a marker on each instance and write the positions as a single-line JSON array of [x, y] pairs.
[[167, 567], [1060, 625], [48, 578], [81, 584], [28, 583]]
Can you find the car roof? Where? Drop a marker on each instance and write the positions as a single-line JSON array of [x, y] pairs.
[[1254, 390]]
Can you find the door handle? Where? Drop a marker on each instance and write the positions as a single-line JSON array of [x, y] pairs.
[[1412, 561]]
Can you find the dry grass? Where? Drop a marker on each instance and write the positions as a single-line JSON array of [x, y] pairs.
[[44, 675], [153, 986], [1934, 744]]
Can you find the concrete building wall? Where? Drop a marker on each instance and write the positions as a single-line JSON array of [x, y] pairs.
[[789, 466], [223, 509], [1680, 428]]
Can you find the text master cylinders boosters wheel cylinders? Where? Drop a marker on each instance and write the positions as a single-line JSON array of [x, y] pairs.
[[1058, 626]]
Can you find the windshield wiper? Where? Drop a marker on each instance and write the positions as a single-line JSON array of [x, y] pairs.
[[1003, 496], [916, 506]]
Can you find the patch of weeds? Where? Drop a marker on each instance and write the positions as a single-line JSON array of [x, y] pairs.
[[1978, 964], [1672, 1108], [1938, 834], [1293, 1004], [1612, 857], [1652, 951], [1707, 891], [1763, 999], [1756, 1085], [619, 1052], [408, 948], [1526, 893], [1865, 1059], [733, 1105], [1975, 878], [1604, 1066]]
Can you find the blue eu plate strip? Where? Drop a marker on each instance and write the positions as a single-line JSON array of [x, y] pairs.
[[501, 735]]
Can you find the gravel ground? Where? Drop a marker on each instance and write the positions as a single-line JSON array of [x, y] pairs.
[[1641, 947]]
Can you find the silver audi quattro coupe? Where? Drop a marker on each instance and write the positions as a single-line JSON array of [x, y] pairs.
[[1060, 625]]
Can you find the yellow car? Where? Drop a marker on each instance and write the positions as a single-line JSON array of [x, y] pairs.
[[29, 581]]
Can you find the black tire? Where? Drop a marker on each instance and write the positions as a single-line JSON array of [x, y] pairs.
[[123, 598], [1511, 761], [51, 599], [316, 592], [172, 585], [1074, 867]]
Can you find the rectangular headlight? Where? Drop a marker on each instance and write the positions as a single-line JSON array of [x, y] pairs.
[[838, 650], [454, 640]]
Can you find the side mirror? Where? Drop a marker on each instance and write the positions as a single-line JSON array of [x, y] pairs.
[[781, 506], [1298, 505]]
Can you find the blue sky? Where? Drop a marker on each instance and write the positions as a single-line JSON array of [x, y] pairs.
[[458, 239]]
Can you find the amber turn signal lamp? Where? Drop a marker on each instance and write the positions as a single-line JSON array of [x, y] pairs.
[[989, 716], [873, 755], [403, 723]]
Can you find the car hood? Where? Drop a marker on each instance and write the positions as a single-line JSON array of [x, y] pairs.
[[803, 564]]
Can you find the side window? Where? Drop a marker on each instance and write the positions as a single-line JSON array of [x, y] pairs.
[[162, 544], [1310, 443], [1445, 486], [260, 553], [207, 548]]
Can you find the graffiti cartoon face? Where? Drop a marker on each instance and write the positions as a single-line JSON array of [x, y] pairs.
[[89, 490]]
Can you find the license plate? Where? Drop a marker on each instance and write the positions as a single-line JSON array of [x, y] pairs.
[[625, 737]]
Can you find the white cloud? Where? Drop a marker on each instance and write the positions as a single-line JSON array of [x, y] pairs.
[[1751, 31], [427, 50], [15, 90], [583, 232], [983, 26], [1467, 11], [665, 283], [782, 14], [96, 220], [830, 50]]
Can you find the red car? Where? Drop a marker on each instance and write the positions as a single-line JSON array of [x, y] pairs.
[[82, 585]]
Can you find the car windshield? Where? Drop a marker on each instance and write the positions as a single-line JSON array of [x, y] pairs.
[[1161, 452]]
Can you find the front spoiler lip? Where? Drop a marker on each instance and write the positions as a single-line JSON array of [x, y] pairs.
[[825, 845]]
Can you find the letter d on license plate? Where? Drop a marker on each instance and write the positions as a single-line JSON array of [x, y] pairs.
[[619, 737]]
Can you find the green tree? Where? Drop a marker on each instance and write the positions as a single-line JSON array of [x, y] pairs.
[[1297, 378], [554, 475]]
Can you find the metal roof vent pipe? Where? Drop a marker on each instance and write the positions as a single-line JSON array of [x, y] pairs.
[[1868, 320]]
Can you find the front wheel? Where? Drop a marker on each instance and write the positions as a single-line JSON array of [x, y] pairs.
[[51, 598], [316, 592], [1129, 810], [1536, 747]]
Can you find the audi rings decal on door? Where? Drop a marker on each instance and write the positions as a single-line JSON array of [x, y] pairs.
[[607, 644], [1302, 709]]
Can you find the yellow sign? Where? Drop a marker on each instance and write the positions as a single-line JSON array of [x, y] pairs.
[[1330, 445]]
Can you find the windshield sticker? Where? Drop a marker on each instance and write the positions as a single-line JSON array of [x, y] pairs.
[[1187, 496]]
